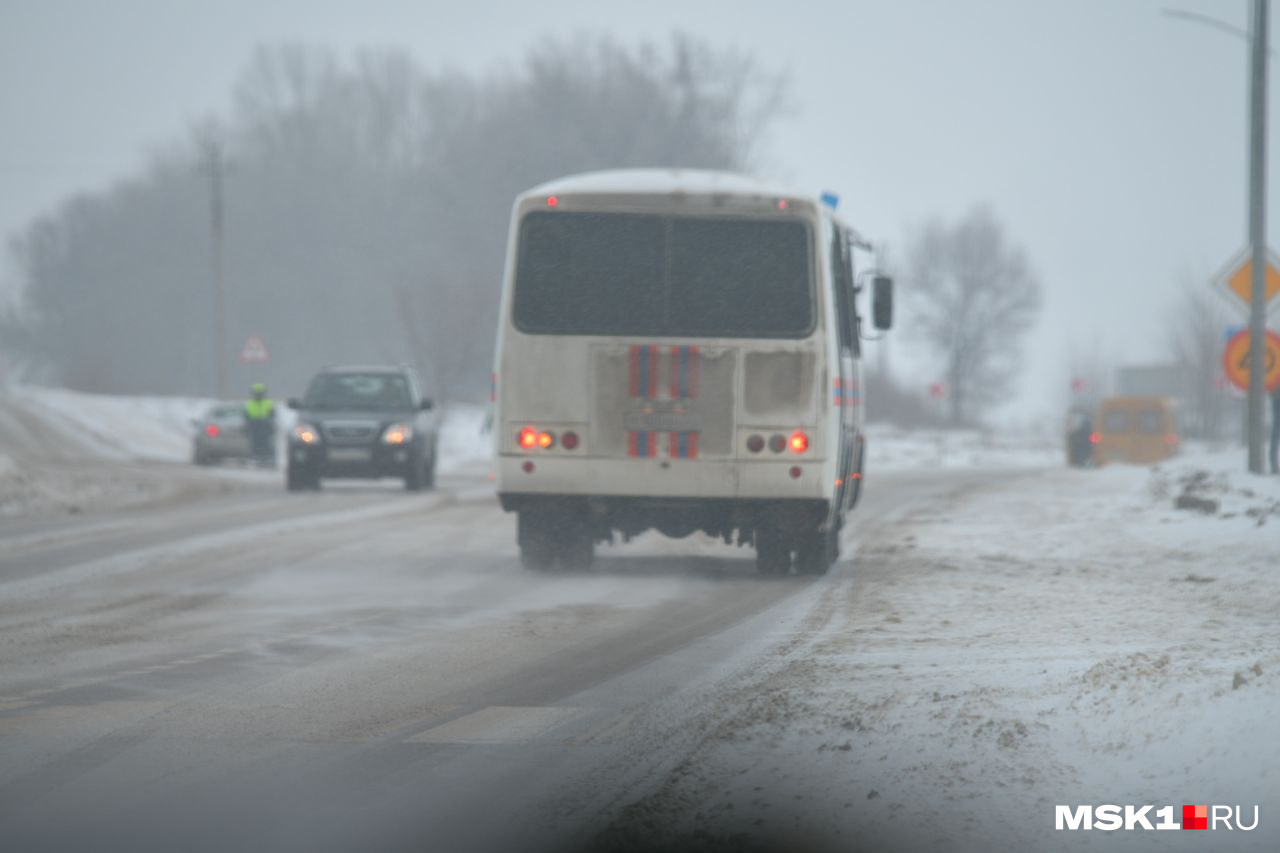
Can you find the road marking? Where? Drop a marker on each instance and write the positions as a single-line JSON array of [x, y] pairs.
[[498, 724]]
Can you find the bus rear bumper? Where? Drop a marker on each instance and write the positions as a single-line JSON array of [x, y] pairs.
[[665, 478]]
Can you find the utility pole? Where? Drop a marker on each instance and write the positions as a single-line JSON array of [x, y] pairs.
[[1258, 54], [213, 165], [1257, 228]]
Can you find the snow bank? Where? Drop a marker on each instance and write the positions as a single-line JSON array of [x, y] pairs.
[[97, 426], [1041, 638], [66, 451], [891, 448]]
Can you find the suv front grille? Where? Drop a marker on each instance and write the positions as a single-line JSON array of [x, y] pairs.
[[350, 432]]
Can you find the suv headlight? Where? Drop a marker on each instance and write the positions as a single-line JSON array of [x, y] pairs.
[[398, 434], [306, 433]]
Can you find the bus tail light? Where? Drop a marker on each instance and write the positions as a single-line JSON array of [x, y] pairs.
[[569, 441], [212, 430], [528, 438], [1095, 438], [799, 441], [546, 440], [755, 443], [777, 442]]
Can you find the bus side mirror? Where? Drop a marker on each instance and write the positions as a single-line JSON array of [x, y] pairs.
[[882, 301]]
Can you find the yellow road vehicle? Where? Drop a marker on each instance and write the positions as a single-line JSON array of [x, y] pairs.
[[1136, 429]]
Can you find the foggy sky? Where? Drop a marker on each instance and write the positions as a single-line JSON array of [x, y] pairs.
[[1109, 138]]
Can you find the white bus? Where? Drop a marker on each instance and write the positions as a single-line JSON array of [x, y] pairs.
[[680, 350]]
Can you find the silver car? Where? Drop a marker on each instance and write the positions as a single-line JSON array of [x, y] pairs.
[[220, 435]]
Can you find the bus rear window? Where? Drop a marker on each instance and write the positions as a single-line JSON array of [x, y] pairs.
[[1150, 421], [642, 274], [1116, 420]]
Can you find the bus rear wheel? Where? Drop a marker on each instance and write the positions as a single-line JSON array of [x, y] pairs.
[[818, 549], [547, 537], [773, 557]]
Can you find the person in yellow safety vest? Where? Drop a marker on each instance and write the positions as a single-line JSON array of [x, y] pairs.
[[260, 421]]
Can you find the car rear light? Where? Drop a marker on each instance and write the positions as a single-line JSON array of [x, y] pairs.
[[569, 440], [755, 443], [306, 434], [799, 442], [527, 438], [777, 442], [1095, 437], [546, 440], [212, 431]]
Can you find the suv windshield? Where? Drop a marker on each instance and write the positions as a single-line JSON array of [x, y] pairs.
[[643, 274], [371, 391]]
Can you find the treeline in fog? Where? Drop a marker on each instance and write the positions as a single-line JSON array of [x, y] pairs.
[[365, 207]]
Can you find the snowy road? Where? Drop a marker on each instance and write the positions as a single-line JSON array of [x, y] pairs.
[[309, 671], [368, 669]]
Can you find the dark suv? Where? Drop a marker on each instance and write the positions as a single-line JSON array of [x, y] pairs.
[[362, 422]]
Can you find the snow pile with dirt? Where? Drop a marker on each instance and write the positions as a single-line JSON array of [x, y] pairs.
[[1063, 637]]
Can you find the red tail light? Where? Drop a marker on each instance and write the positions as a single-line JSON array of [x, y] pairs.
[[799, 442], [755, 443], [569, 440], [552, 201], [1095, 437], [546, 440], [212, 430], [1170, 439], [528, 438]]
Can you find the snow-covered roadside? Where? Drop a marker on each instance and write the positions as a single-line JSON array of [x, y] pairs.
[[1060, 638], [69, 452], [891, 448]]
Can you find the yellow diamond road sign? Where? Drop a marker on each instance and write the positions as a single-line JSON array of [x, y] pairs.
[[1239, 281]]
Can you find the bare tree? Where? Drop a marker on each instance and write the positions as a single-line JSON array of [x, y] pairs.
[[366, 216], [1194, 341], [972, 297]]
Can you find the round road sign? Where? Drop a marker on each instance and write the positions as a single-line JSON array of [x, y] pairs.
[[1235, 360]]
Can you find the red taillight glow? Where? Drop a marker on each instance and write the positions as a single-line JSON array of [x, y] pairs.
[[1095, 437], [799, 442], [528, 438], [552, 201], [546, 440], [569, 440], [755, 443], [212, 431], [1170, 439], [782, 204]]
